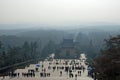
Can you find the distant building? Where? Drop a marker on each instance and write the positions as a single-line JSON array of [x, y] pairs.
[[68, 49]]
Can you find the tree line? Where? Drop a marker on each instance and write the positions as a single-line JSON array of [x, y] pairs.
[[13, 55], [28, 51]]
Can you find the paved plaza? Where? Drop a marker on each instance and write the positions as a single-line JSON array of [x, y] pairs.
[[54, 69]]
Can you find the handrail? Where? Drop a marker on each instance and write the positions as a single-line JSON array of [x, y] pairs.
[[17, 64]]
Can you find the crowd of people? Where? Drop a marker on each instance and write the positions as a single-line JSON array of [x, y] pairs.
[[72, 68], [30, 74], [69, 68], [13, 74]]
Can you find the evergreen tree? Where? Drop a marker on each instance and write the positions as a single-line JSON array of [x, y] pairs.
[[33, 49], [48, 49], [108, 63], [26, 50]]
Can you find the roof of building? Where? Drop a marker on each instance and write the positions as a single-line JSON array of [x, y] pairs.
[[68, 43]]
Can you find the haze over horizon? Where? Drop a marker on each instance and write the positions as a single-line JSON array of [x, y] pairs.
[[59, 12]]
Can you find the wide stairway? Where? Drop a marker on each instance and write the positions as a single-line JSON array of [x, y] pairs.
[[56, 69]]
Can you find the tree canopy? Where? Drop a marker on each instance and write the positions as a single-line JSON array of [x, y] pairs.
[[108, 63]]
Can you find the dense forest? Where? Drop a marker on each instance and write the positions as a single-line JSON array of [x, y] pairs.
[[15, 55]]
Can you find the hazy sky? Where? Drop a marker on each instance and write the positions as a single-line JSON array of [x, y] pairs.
[[59, 11]]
